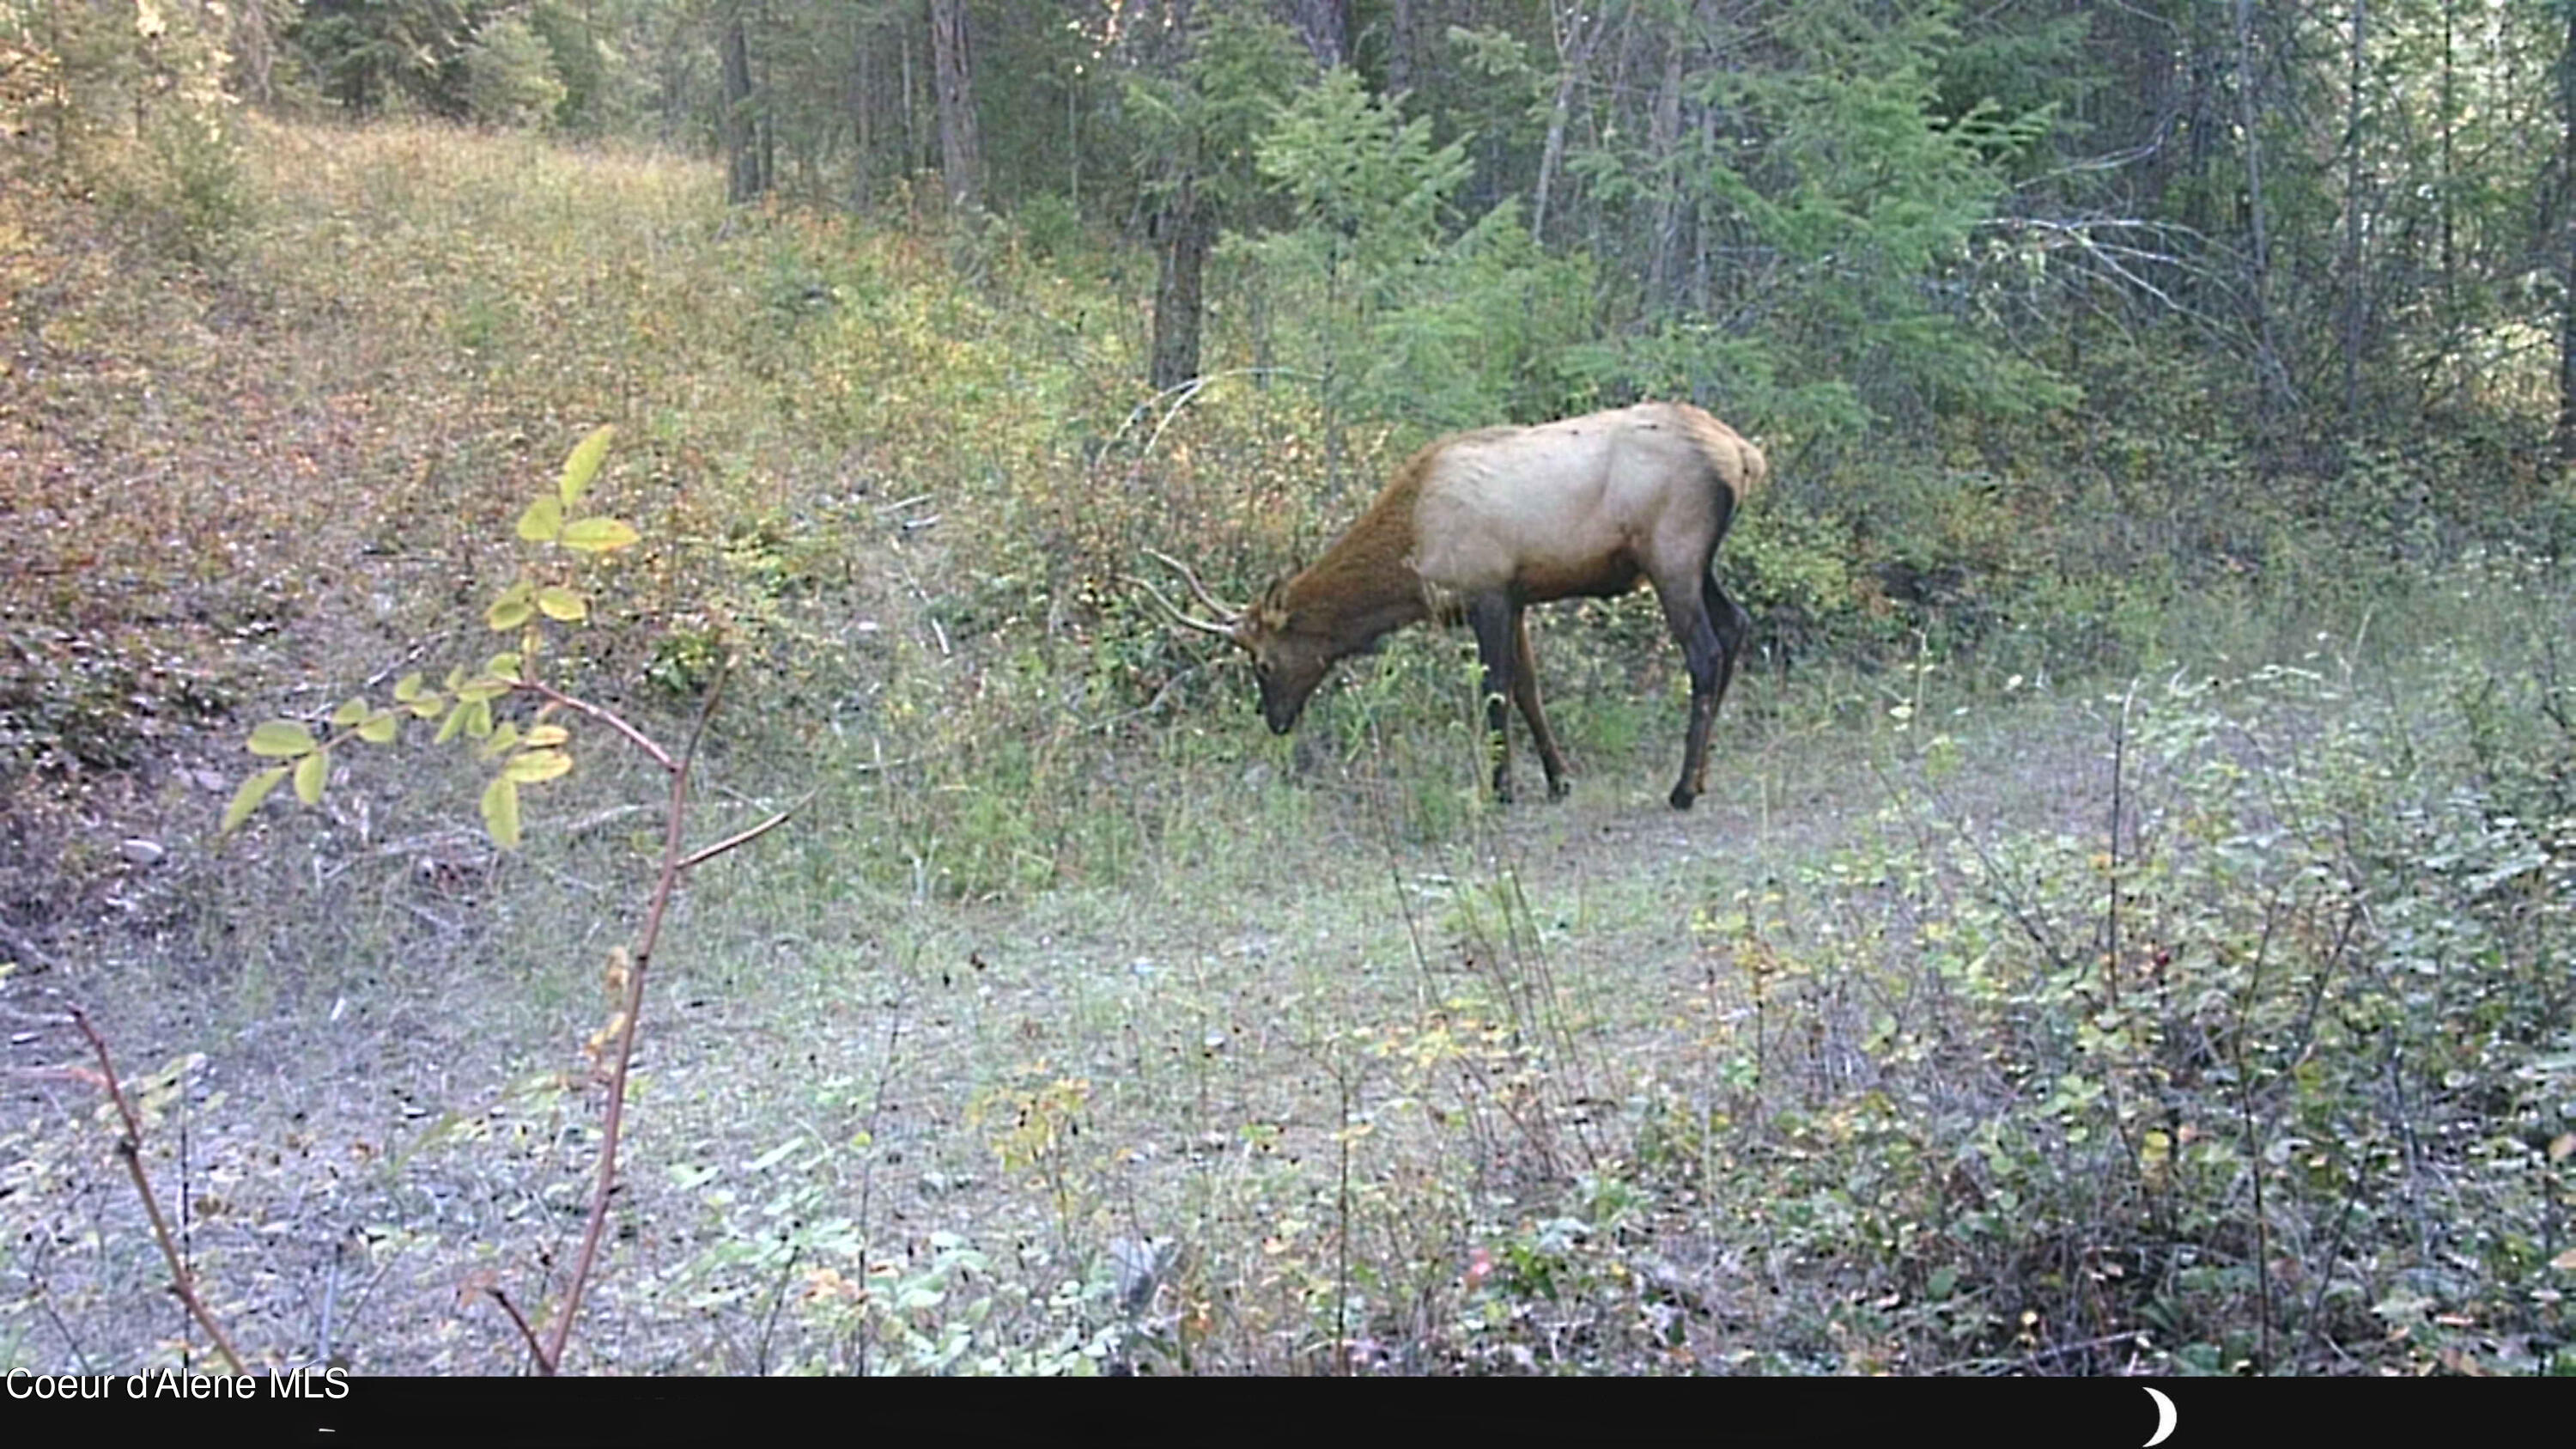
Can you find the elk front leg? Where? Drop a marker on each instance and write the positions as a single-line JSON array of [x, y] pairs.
[[1525, 693], [1495, 622]]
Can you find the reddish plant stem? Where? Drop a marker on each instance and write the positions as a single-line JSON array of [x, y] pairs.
[[610, 718], [519, 1319], [550, 1358], [739, 838], [130, 1148]]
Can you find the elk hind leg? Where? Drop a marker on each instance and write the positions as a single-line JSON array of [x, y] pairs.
[[1687, 612], [1733, 627]]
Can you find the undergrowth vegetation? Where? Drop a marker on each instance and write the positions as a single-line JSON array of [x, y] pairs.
[[2128, 930], [2266, 1062]]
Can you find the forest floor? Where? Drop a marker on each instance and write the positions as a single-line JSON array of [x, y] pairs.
[[1150, 1043]]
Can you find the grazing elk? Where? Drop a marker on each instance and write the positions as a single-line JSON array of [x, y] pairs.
[[1481, 525]]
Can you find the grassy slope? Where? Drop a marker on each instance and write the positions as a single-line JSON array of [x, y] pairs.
[[1825, 1075]]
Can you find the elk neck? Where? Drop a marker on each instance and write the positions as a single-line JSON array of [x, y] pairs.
[[1365, 587]]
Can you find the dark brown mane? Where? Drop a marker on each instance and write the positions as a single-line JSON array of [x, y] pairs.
[[1367, 575]]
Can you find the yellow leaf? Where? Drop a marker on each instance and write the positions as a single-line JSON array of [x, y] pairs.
[[408, 688], [507, 614], [281, 739], [380, 728], [249, 797], [503, 740], [599, 535], [311, 773], [563, 604], [350, 712], [543, 522], [535, 767], [501, 811], [583, 465], [547, 737]]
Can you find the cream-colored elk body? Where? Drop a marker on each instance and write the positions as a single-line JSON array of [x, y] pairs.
[[1481, 525]]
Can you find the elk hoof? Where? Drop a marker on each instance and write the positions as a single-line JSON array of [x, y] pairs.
[[1682, 797], [1559, 789]]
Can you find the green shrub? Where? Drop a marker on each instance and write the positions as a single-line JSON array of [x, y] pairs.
[[510, 78]]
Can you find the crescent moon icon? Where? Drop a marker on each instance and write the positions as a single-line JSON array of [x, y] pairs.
[[2166, 1418]]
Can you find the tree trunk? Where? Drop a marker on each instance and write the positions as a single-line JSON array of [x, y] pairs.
[[961, 154], [1702, 228], [741, 141], [862, 189], [252, 40], [1326, 27], [1665, 135], [1574, 42], [912, 147], [763, 118], [1184, 229], [1401, 41], [2203, 125], [2567, 229], [2450, 125], [2353, 293], [2274, 388]]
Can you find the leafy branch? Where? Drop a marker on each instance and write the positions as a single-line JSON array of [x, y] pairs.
[[464, 704]]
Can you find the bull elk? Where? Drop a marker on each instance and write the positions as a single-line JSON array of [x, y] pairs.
[[1483, 524]]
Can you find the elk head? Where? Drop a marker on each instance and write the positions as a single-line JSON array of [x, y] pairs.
[[1286, 662]]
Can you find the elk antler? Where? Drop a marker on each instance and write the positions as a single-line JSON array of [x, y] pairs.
[[1197, 589], [1232, 615]]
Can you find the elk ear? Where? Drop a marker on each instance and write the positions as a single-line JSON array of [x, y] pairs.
[[1271, 614]]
